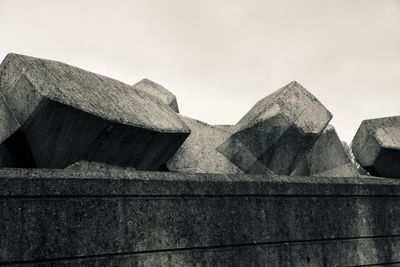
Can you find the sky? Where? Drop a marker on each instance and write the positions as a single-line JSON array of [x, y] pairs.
[[220, 57]]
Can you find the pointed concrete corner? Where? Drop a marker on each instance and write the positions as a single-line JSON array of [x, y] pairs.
[[277, 132], [159, 92], [376, 146]]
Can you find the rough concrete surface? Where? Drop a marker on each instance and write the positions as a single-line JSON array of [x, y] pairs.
[[121, 218], [327, 157], [198, 153], [348, 252], [96, 166], [376, 146], [277, 132], [224, 203], [56, 114], [351, 156], [159, 92]]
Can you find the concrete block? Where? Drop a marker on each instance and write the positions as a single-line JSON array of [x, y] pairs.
[[60, 114], [376, 146], [327, 157], [198, 153], [159, 92], [277, 132]]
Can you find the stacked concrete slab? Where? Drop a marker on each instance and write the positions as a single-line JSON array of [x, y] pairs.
[[54, 115]]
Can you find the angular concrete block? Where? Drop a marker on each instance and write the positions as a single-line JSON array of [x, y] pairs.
[[327, 157], [159, 92], [198, 153], [376, 146], [277, 132], [59, 114]]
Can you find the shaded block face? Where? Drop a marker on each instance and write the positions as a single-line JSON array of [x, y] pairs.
[[6, 159], [376, 146], [327, 157], [56, 115], [277, 132], [198, 153], [159, 92]]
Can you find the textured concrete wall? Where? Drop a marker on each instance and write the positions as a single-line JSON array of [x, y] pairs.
[[122, 218]]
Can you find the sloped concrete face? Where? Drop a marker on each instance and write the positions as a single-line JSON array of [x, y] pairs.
[[62, 114], [327, 157], [198, 153], [376, 146], [159, 92], [353, 160], [277, 132]]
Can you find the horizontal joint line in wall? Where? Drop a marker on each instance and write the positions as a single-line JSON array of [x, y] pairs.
[[217, 247]]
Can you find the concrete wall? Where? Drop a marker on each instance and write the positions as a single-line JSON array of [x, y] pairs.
[[121, 218]]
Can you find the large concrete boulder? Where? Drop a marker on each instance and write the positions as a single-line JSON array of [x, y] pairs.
[[159, 92], [376, 146], [277, 132], [198, 153], [55, 114], [326, 158]]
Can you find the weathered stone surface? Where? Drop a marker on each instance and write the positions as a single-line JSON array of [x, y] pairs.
[[277, 132], [63, 215], [96, 166], [198, 153], [350, 155], [374, 251], [376, 146], [61, 114], [159, 92], [327, 157], [348, 151]]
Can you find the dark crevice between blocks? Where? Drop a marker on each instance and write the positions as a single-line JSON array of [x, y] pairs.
[[19, 151]]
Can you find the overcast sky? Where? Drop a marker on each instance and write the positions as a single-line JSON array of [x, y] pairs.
[[220, 57]]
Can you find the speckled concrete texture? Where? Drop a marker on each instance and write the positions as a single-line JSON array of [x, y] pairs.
[[59, 114], [159, 92], [327, 157], [376, 146], [198, 153], [277, 132], [127, 218]]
